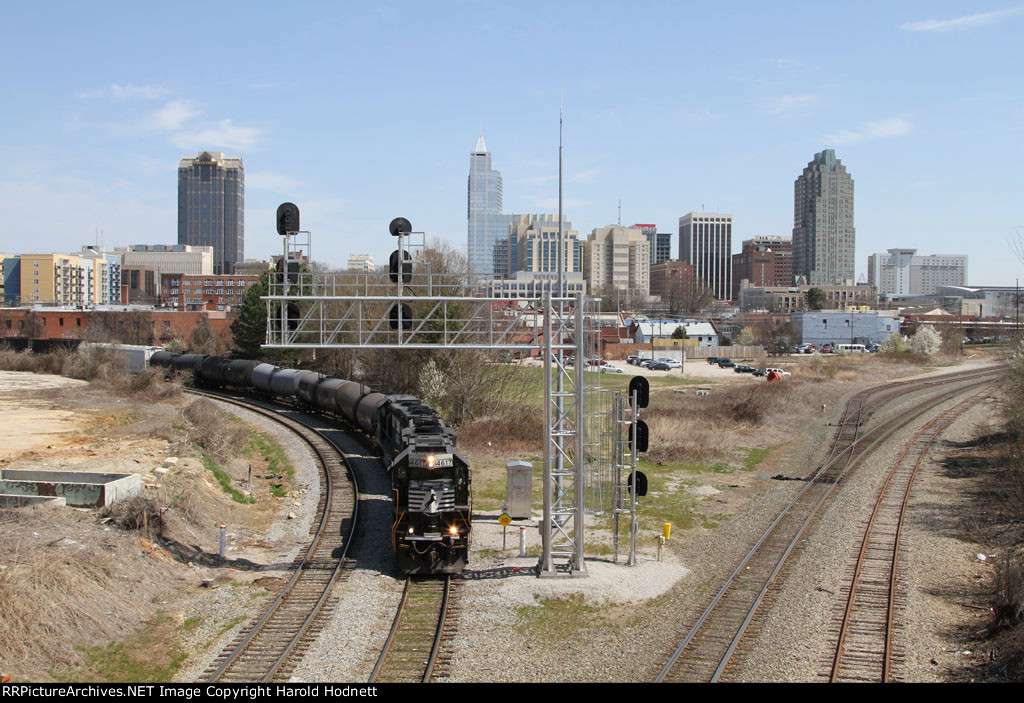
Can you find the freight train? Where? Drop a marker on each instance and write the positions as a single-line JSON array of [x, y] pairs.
[[430, 479]]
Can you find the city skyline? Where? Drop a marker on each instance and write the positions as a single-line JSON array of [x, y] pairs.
[[357, 136]]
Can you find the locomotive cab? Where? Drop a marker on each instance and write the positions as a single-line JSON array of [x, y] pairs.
[[431, 492]]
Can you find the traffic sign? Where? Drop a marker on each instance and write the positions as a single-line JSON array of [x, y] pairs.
[[505, 519]]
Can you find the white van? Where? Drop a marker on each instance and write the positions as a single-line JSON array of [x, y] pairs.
[[851, 349]]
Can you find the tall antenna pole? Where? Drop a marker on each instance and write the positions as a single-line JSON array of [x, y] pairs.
[[620, 212], [561, 243]]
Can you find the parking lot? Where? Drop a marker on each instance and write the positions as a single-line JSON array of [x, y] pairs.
[[696, 368]]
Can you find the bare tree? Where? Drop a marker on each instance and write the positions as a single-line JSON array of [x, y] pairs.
[[689, 294]]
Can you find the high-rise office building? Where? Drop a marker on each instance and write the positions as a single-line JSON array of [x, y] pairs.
[[661, 243], [211, 207], [486, 223], [531, 244], [617, 256], [823, 232], [705, 242]]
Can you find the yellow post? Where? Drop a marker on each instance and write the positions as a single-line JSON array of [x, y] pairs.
[[666, 531]]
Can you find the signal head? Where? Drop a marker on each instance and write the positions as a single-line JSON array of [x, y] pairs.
[[399, 226]]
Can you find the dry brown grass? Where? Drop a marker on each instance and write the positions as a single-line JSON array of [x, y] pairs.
[[684, 427], [135, 513], [52, 363], [67, 582], [105, 370], [519, 430], [210, 429]]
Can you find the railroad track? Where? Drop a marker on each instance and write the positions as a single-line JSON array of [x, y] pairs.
[[413, 650], [865, 648], [709, 645], [270, 648]]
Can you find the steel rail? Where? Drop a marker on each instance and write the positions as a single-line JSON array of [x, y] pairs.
[[402, 616], [814, 482], [935, 429], [258, 628]]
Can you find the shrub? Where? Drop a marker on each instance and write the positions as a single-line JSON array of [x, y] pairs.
[[135, 513], [925, 341]]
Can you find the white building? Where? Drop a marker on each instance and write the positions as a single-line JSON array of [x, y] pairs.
[[649, 330], [185, 259], [902, 272], [618, 256], [360, 262]]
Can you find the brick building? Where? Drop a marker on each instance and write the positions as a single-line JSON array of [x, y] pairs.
[[207, 292]]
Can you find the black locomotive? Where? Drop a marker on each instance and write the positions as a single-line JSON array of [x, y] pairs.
[[430, 480]]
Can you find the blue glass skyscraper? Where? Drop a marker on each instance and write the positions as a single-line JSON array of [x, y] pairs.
[[486, 223]]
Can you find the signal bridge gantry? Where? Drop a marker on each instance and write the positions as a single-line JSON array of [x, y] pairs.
[[416, 306]]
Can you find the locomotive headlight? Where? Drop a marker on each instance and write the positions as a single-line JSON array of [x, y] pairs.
[[430, 461], [453, 530], [412, 530]]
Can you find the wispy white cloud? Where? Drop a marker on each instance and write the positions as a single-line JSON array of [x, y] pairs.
[[962, 23], [223, 133], [587, 175], [784, 63], [172, 116], [869, 131], [152, 166], [127, 92], [268, 180], [788, 104]]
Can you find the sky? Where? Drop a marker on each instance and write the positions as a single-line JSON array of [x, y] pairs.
[[363, 112]]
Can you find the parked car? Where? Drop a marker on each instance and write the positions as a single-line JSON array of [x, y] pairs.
[[726, 363], [779, 371], [760, 373], [672, 363], [610, 369], [658, 366], [713, 360], [646, 363], [743, 368], [633, 359]]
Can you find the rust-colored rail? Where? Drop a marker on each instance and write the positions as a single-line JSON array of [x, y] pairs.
[[422, 622], [864, 650], [711, 641]]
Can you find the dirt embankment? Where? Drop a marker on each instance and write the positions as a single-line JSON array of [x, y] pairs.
[[75, 589]]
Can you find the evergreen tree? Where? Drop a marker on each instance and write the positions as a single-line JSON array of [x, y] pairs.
[[816, 299], [249, 329]]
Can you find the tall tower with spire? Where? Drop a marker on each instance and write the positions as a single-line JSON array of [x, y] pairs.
[[485, 222]]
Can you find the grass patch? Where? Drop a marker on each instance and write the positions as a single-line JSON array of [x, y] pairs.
[[153, 655], [262, 447], [230, 624], [224, 480], [554, 619], [756, 456]]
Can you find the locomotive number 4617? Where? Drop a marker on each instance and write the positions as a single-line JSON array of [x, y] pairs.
[[431, 461]]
